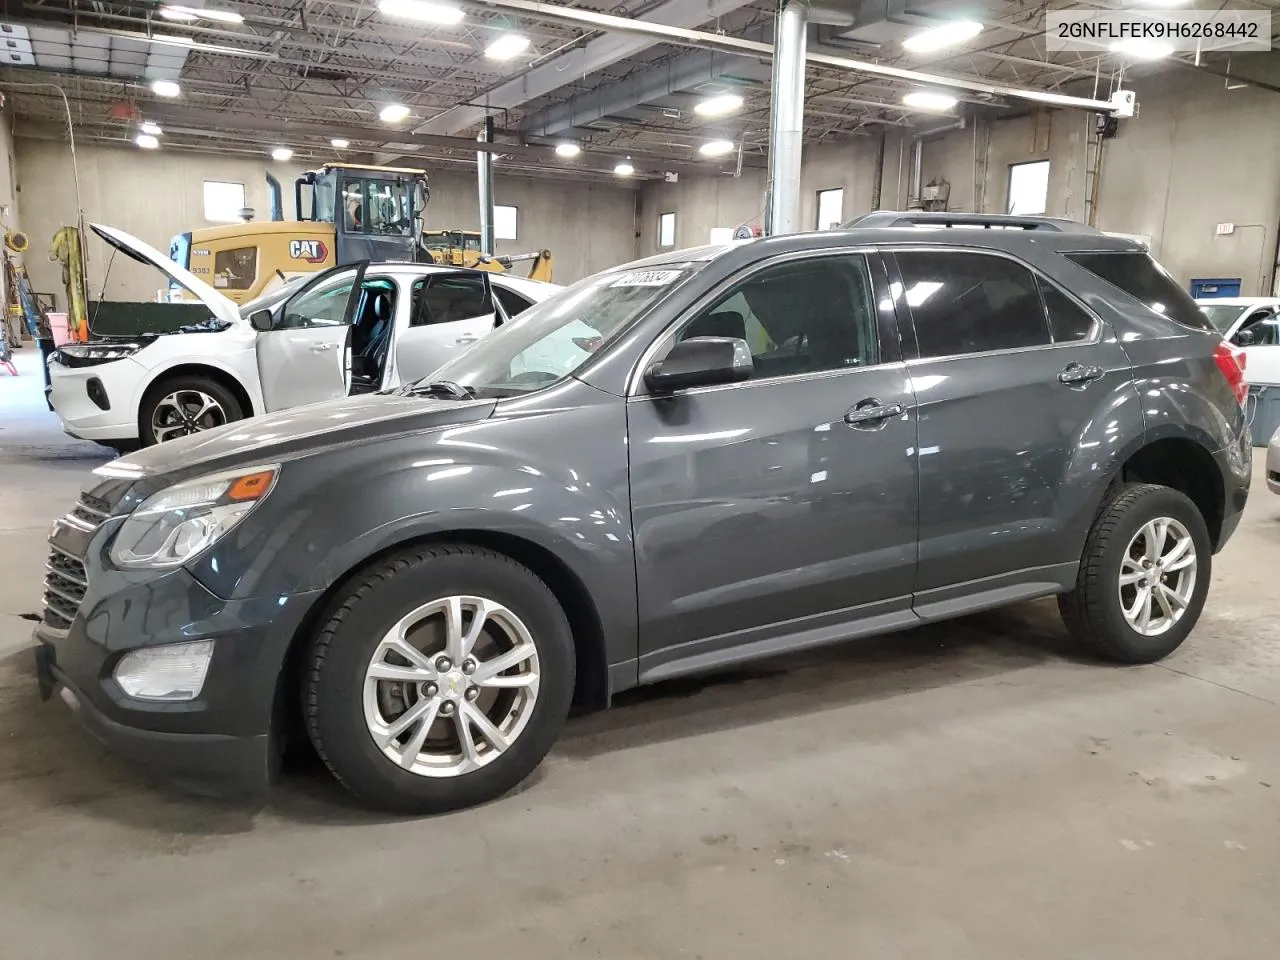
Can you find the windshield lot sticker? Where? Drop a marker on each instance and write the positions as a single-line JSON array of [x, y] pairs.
[[646, 278]]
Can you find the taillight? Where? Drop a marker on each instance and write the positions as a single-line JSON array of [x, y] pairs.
[[1231, 360]]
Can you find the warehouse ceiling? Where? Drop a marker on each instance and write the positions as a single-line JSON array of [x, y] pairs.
[[298, 73]]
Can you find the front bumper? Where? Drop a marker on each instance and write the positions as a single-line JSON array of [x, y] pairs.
[[228, 739], [81, 416], [1273, 464]]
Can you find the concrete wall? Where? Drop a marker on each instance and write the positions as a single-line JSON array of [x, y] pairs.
[[1197, 155], [157, 194]]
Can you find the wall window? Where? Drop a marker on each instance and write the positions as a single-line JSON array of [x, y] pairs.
[[971, 303], [1028, 188], [223, 201], [667, 230], [799, 317], [830, 208], [504, 222]]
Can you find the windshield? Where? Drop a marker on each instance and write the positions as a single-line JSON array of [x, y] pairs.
[[554, 338], [273, 297], [1222, 315]]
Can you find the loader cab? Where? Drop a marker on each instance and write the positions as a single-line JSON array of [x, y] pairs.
[[376, 212]]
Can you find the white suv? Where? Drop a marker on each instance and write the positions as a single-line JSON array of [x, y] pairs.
[[1259, 319], [352, 329]]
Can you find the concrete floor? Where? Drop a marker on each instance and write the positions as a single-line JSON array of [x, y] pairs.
[[975, 790]]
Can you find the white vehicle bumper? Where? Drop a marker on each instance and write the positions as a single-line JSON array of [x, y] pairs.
[[73, 397]]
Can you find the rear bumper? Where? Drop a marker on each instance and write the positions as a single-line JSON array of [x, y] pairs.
[[204, 763]]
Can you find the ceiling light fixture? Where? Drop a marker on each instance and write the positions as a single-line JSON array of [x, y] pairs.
[[1142, 49], [717, 148], [942, 36], [165, 88], [718, 106], [507, 46], [567, 149], [146, 141], [339, 144], [150, 129], [281, 153], [929, 100], [624, 168], [393, 113], [178, 12], [424, 11]]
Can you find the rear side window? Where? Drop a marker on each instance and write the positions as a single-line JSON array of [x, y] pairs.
[[511, 302], [1145, 280], [971, 303], [1067, 319]]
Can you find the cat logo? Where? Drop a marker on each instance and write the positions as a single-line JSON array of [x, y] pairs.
[[312, 251]]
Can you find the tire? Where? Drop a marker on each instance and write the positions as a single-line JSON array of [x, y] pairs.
[[1094, 612], [227, 409], [345, 708]]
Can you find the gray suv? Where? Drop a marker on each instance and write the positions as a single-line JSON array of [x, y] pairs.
[[702, 458]]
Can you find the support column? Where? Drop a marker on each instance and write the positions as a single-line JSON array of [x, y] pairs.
[[786, 119], [484, 168]]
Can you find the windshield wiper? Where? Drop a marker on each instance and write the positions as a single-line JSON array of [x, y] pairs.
[[437, 388]]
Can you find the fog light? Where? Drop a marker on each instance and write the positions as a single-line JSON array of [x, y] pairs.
[[174, 671]]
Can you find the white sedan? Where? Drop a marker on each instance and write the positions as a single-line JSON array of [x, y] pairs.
[[352, 329], [1258, 319]]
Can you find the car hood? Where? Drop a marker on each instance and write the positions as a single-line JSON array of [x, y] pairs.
[[295, 432], [222, 307]]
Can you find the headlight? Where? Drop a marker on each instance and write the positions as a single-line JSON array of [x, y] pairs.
[[174, 525], [84, 354]]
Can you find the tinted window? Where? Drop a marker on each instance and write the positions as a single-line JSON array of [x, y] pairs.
[[511, 302], [1067, 319], [1141, 277], [799, 317], [323, 305], [235, 269], [450, 298], [971, 303]]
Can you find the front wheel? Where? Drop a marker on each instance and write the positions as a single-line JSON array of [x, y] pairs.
[[440, 680], [1143, 577], [183, 405]]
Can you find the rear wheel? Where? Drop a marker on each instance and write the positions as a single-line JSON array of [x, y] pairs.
[[1143, 577], [183, 405], [440, 680]]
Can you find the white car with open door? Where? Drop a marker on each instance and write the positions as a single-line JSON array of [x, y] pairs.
[[1254, 324], [351, 329]]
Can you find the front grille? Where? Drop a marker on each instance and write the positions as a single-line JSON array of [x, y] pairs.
[[65, 579]]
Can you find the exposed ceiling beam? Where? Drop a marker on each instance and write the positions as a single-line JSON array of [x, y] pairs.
[[682, 36]]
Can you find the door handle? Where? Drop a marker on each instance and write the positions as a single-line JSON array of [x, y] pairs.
[[1077, 373], [467, 339], [320, 346], [872, 413]]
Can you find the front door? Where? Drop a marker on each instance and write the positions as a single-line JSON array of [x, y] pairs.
[[304, 357], [451, 311], [779, 511], [1015, 382]]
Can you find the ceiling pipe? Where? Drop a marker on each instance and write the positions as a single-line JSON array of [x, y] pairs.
[[681, 36]]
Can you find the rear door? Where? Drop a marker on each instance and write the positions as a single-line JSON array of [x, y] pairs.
[[1011, 376], [451, 311], [303, 358]]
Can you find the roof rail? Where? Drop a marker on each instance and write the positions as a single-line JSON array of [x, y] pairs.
[[988, 221]]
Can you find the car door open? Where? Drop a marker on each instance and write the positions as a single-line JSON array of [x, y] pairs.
[[303, 350]]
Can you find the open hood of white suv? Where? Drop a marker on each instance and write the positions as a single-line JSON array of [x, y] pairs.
[[222, 307]]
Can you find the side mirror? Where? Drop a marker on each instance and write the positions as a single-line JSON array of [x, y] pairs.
[[700, 362], [260, 320], [1244, 338]]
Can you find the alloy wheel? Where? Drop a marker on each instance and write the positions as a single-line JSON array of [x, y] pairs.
[[1158, 576], [451, 686], [185, 412]]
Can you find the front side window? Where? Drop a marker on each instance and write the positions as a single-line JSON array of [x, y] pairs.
[[322, 305], [798, 317], [557, 336], [387, 208], [966, 303], [1265, 329], [235, 269], [1138, 275]]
